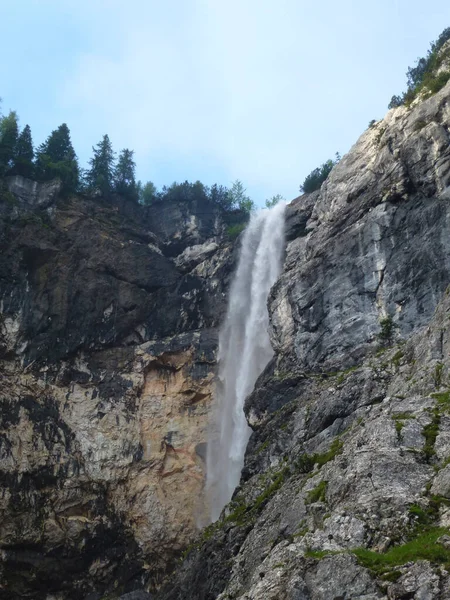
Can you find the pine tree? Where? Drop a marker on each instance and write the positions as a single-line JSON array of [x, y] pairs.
[[124, 175], [100, 176], [9, 132], [23, 159], [239, 198], [56, 158], [147, 193]]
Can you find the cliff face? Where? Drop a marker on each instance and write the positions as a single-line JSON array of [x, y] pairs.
[[345, 491], [108, 335]]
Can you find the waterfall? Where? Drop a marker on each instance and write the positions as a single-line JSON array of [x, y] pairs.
[[244, 351]]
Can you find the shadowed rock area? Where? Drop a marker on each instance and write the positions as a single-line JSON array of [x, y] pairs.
[[108, 338]]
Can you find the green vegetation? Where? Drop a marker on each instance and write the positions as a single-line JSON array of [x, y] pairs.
[[241, 512], [314, 180], [233, 231], [399, 420], [274, 200], [395, 360], [423, 77], [443, 399], [317, 494], [319, 554], [387, 328], [430, 433], [423, 547], [305, 462], [438, 375], [343, 374], [56, 159]]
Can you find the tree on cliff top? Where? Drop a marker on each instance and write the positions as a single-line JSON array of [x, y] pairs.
[[56, 158], [423, 74], [314, 180], [147, 193], [238, 197], [24, 154], [9, 132], [100, 176], [124, 175]]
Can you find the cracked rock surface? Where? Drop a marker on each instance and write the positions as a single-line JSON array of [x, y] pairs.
[[345, 491], [107, 353]]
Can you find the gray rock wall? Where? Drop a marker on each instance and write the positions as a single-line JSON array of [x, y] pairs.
[[345, 489]]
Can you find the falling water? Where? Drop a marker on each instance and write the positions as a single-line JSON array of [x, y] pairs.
[[244, 351]]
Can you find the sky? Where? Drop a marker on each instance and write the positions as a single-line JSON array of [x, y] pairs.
[[213, 90]]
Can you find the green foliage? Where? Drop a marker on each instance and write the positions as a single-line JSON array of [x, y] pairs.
[[423, 75], [9, 132], [239, 199], [430, 433], [184, 192], [242, 512], [124, 176], [423, 547], [395, 102], [219, 195], [395, 360], [399, 420], [335, 449], [100, 176], [147, 193], [317, 494], [387, 328], [274, 200], [443, 399], [24, 154], [56, 158], [233, 231], [314, 180], [438, 375]]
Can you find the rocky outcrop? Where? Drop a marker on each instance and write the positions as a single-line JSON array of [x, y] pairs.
[[107, 352], [345, 489]]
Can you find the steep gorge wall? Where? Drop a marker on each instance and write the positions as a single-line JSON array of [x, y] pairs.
[[108, 336], [350, 442]]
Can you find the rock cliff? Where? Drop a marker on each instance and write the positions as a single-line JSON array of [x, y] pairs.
[[345, 491], [108, 335]]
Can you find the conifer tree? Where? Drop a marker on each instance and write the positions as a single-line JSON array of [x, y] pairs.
[[24, 154], [56, 158], [100, 176], [238, 197], [9, 132], [147, 193], [124, 175]]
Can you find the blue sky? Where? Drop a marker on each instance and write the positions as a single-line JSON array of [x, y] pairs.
[[216, 90]]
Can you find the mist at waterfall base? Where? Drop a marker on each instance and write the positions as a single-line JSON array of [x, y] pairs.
[[244, 351]]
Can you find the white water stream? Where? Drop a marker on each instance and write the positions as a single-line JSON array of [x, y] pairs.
[[244, 351]]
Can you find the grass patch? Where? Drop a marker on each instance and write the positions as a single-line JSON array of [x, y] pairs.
[[443, 399], [399, 420], [263, 446], [233, 231], [317, 494], [335, 449], [423, 547], [319, 554], [430, 433], [343, 374], [437, 376], [395, 360]]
